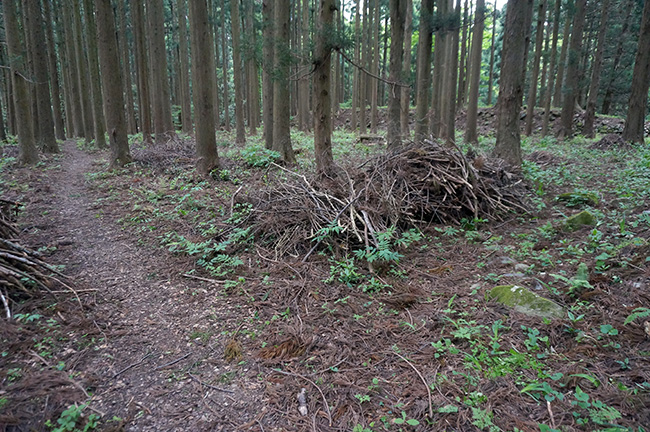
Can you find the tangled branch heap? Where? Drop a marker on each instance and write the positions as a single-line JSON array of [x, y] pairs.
[[416, 184]]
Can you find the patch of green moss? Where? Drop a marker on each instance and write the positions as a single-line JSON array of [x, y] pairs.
[[573, 199], [584, 218], [525, 301]]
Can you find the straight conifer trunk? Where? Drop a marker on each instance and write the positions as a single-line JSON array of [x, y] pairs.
[[237, 71], [185, 96], [142, 68], [471, 135], [55, 86], [267, 74], [532, 87], [636, 112], [132, 126], [281, 100], [590, 114], [203, 72], [406, 70], [397, 20], [551, 70], [112, 84], [559, 79], [423, 84]]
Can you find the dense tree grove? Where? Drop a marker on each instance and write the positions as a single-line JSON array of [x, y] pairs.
[[162, 68]]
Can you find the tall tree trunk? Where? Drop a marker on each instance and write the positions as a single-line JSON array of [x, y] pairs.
[[126, 69], [160, 91], [355, 71], [463, 57], [397, 20], [559, 79], [235, 22], [365, 62], [609, 91], [27, 153], [224, 69], [253, 86], [471, 135], [406, 70], [572, 81], [511, 91], [76, 114], [267, 76], [203, 72], [47, 141], [142, 68], [323, 89], [492, 46], [212, 5], [532, 87], [95, 81], [374, 83], [55, 87], [590, 114], [542, 79], [83, 75], [112, 84], [185, 96], [439, 69], [636, 111], [303, 84], [551, 69], [423, 84], [281, 107], [452, 78]]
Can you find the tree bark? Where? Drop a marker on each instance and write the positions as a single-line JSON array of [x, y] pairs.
[[406, 70], [132, 126], [452, 78], [45, 119], [322, 98], [203, 72], [237, 71], [471, 135], [559, 79], [356, 73], [185, 96], [423, 83], [76, 113], [82, 73], [508, 142], [95, 81], [374, 69], [27, 153], [463, 72], [634, 123], [397, 20], [551, 69], [572, 81], [590, 114], [224, 69], [162, 118], [142, 68], [112, 84], [492, 46], [55, 87], [267, 76], [532, 87], [281, 102]]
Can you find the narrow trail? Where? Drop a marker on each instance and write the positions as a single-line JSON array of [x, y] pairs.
[[142, 366]]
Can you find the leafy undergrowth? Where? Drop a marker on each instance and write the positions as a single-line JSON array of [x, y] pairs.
[[401, 336]]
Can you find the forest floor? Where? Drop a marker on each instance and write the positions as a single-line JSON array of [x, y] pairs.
[[190, 320]]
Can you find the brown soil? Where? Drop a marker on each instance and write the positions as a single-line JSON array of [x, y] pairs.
[[166, 352]]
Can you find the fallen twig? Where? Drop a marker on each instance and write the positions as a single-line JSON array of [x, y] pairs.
[[423, 380], [327, 408], [132, 365], [173, 362]]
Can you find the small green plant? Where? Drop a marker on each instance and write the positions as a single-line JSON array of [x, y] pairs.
[[404, 420], [71, 420], [362, 397], [641, 312], [259, 157], [344, 271]]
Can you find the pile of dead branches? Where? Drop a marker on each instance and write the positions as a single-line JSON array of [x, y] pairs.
[[22, 272], [174, 153], [415, 185]]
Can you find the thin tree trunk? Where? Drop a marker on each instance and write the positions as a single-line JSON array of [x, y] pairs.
[[47, 141], [634, 122], [551, 69], [397, 19], [374, 83], [235, 22], [463, 57], [471, 135], [142, 68], [27, 153], [609, 91], [76, 114], [363, 81], [356, 73], [406, 70], [204, 79], [112, 84], [559, 79], [542, 79], [281, 102], [452, 79], [82, 73], [224, 53], [323, 89], [55, 87], [267, 76], [508, 142], [532, 87], [492, 46], [439, 68], [126, 69], [423, 83], [573, 72], [95, 80], [184, 77], [590, 114], [160, 90]]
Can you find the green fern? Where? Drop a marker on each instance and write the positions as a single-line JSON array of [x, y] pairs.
[[641, 312]]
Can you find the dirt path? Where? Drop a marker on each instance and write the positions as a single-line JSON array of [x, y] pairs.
[[144, 366]]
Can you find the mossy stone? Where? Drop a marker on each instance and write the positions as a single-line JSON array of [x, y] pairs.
[[525, 301], [572, 199], [584, 218]]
